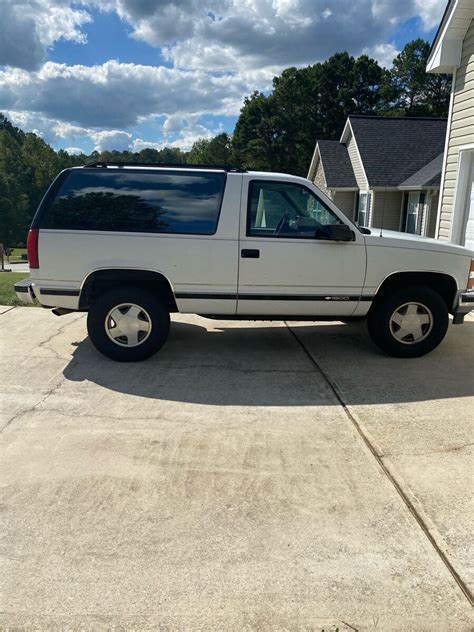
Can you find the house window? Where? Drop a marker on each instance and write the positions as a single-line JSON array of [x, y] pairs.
[[363, 209], [414, 212]]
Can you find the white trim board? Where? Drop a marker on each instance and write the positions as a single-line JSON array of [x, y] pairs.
[[465, 158], [445, 156], [312, 166], [342, 140]]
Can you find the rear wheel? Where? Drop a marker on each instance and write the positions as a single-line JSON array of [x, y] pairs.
[[128, 324], [409, 322]]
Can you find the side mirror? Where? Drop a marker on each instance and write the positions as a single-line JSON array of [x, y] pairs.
[[339, 232]]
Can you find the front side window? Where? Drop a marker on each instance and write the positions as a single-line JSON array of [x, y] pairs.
[[137, 201], [287, 209]]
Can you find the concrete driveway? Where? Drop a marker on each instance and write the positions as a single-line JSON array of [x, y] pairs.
[[18, 267], [250, 476]]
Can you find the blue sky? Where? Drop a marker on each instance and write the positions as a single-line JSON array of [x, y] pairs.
[[123, 74]]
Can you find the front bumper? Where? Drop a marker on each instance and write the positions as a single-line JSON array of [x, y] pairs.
[[24, 290], [464, 305]]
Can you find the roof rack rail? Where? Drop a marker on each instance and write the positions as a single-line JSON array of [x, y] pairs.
[[107, 163]]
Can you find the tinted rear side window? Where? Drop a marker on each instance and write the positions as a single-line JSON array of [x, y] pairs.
[[137, 201]]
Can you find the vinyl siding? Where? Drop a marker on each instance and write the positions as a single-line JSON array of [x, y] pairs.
[[356, 164], [461, 130], [345, 201], [387, 206]]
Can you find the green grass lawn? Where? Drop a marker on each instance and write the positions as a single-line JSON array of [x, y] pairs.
[[16, 254], [7, 293]]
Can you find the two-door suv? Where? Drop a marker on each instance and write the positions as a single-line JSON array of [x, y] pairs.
[[131, 244]]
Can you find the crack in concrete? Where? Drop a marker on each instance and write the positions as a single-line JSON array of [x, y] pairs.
[[30, 409], [379, 458], [350, 626], [453, 449], [51, 391], [60, 331], [76, 415], [237, 369], [456, 448]]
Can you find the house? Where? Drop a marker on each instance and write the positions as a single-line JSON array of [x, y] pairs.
[[453, 52], [384, 171]]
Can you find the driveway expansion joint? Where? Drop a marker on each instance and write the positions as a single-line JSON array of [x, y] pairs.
[[380, 460], [7, 310]]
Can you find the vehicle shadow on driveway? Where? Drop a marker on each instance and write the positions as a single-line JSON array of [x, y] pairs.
[[230, 363]]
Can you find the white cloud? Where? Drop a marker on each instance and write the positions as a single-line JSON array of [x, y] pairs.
[[162, 22], [73, 151], [111, 139], [189, 134], [27, 27], [63, 129], [258, 34], [219, 52], [383, 53], [178, 132], [430, 12], [220, 34], [58, 21], [175, 123], [115, 95]]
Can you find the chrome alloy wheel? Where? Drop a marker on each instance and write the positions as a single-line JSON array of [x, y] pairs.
[[411, 323], [128, 325]]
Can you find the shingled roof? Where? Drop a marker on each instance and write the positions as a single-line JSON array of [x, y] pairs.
[[429, 175], [394, 148], [336, 164]]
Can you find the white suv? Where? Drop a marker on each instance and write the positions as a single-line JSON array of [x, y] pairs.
[[131, 243]]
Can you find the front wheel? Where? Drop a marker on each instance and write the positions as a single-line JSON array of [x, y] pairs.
[[128, 324], [408, 323]]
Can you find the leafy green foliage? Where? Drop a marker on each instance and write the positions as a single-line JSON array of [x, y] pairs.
[[214, 151], [7, 291], [412, 91], [274, 132], [278, 131]]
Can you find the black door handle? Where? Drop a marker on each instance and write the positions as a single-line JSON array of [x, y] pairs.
[[250, 254]]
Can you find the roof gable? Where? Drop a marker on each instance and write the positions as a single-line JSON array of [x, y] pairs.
[[392, 149], [336, 164], [445, 53], [429, 175]]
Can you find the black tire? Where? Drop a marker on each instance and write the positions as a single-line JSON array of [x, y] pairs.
[[153, 313], [382, 327]]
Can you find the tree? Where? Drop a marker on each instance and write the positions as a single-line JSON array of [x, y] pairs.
[[214, 151], [40, 166], [367, 78], [413, 91], [255, 139], [13, 200], [278, 131], [172, 156]]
